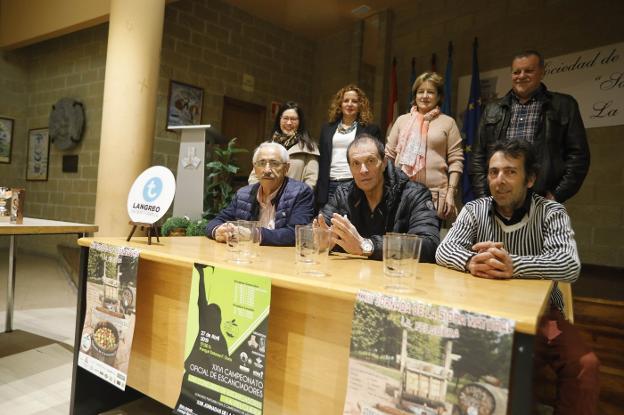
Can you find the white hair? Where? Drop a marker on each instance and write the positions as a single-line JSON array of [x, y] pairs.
[[278, 146]]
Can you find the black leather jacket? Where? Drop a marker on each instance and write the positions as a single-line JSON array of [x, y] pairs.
[[409, 207], [560, 145]]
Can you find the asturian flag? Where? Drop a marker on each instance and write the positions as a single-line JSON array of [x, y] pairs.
[[471, 125], [393, 110]]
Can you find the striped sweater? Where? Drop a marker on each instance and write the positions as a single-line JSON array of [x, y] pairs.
[[541, 245]]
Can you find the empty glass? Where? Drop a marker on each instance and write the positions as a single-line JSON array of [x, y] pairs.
[[401, 253], [312, 249], [240, 237]]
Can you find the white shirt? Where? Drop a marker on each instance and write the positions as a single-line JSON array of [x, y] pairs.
[[266, 218], [339, 168]]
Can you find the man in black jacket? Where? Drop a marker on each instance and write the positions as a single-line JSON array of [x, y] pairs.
[[549, 121], [380, 199]]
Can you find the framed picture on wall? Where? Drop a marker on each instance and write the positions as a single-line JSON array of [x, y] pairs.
[[6, 139], [38, 154], [185, 104]]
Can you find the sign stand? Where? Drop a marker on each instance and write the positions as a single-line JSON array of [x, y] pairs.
[[149, 199], [152, 229]]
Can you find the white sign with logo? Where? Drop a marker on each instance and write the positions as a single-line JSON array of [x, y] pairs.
[[151, 195], [595, 78]]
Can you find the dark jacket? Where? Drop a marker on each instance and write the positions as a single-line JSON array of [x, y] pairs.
[[326, 144], [560, 145], [295, 206], [409, 207]]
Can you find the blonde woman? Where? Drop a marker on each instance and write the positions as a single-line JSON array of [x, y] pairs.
[[427, 146], [349, 116]]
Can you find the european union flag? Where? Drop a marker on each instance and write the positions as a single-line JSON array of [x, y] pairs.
[[471, 125], [448, 84]]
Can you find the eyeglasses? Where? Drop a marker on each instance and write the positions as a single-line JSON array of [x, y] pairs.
[[291, 119], [272, 163]]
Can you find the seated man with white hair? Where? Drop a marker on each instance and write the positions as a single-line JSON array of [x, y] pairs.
[[277, 201]]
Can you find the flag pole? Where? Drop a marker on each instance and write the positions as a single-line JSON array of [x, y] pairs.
[[471, 124]]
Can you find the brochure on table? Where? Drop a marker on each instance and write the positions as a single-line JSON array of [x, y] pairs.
[[109, 324], [410, 357], [226, 340]]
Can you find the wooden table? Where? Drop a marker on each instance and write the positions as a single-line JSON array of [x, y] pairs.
[[309, 324], [32, 226]]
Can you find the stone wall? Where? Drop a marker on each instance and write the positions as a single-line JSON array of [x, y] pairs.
[[212, 44], [336, 62], [13, 102], [68, 66], [205, 43]]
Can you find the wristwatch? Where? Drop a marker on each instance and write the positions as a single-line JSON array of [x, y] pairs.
[[367, 247]]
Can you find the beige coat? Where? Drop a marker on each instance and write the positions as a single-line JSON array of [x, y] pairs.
[[444, 152], [303, 165]]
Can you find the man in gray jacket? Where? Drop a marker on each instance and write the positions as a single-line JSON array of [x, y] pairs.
[[380, 199]]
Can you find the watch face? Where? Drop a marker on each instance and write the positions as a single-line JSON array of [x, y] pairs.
[[367, 246]]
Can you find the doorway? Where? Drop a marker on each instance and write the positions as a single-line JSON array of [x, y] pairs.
[[246, 121]]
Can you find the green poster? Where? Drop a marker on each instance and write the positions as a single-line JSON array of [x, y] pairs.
[[226, 338]]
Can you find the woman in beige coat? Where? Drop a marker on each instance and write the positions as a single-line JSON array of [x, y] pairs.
[[427, 146], [289, 130]]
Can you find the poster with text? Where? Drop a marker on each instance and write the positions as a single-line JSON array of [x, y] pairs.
[[408, 357], [226, 341], [108, 329]]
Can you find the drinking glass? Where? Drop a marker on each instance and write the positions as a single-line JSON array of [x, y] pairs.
[[239, 238], [312, 250], [401, 253]]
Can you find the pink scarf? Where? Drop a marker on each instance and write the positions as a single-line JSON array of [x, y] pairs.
[[412, 145]]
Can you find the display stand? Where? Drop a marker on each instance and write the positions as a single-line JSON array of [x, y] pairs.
[[152, 230], [189, 197]]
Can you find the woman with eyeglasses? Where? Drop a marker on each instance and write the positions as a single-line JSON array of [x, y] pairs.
[[427, 145], [289, 130], [349, 116]]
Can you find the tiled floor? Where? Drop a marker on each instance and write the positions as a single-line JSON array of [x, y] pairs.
[[35, 377], [36, 381]]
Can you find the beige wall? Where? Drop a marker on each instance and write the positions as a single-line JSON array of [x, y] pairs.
[[555, 28], [24, 22]]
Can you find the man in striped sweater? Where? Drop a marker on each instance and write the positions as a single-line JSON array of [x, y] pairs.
[[517, 234]]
